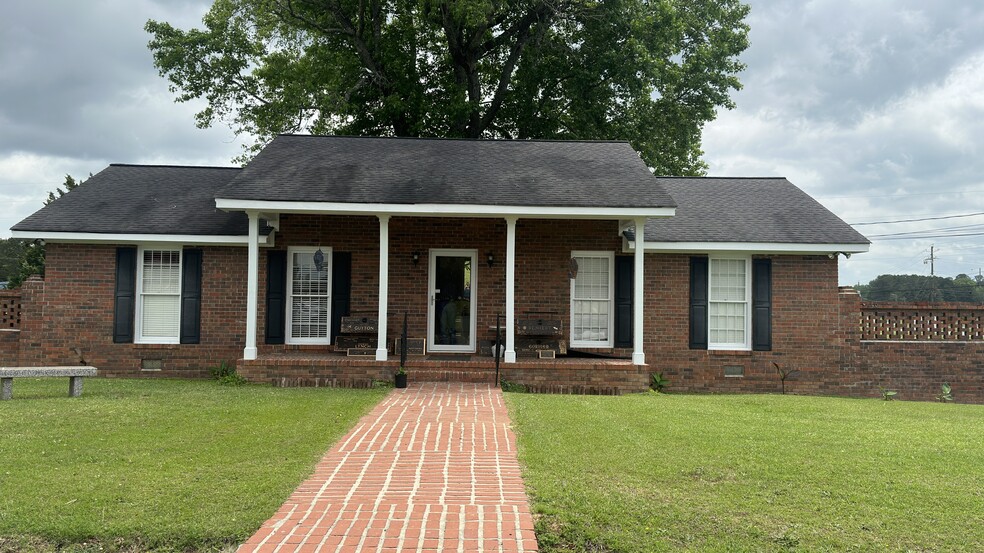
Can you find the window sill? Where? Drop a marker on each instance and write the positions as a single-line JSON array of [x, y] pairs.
[[730, 352]]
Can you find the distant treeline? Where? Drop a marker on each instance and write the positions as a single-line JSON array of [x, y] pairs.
[[961, 288]]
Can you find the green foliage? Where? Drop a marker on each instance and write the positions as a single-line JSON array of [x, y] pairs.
[[508, 386], [226, 375], [887, 395], [31, 262], [401, 370], [647, 473], [11, 253], [946, 393], [657, 382], [650, 72], [902, 288], [69, 184], [158, 465]]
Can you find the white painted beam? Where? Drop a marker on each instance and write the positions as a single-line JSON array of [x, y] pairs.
[[252, 284], [383, 286], [510, 356], [639, 295]]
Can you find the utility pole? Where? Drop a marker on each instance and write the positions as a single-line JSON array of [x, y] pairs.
[[931, 260]]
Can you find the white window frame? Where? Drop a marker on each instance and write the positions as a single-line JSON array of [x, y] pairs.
[[747, 344], [139, 338], [610, 255], [291, 250]]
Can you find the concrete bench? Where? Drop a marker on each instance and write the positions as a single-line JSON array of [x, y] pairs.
[[74, 374]]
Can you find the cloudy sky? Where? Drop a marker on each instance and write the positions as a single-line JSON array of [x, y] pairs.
[[875, 108]]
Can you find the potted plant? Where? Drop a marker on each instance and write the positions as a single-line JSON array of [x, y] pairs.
[[401, 377]]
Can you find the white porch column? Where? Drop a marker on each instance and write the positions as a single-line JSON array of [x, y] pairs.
[[639, 293], [510, 356], [252, 284], [383, 286]]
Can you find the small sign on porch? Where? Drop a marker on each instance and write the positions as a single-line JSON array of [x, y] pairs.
[[359, 325], [538, 327], [415, 346], [343, 343]]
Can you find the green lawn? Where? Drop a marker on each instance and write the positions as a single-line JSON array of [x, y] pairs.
[[751, 473], [162, 465]]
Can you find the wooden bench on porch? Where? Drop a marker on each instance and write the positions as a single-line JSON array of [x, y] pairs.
[[74, 374]]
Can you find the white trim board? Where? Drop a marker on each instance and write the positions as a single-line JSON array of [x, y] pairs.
[[748, 247], [97, 238], [445, 210]]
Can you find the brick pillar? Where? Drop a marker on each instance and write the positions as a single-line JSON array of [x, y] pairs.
[[32, 322], [849, 333]]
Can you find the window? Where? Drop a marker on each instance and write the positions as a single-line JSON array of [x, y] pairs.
[[159, 305], [729, 287], [308, 297], [591, 299]]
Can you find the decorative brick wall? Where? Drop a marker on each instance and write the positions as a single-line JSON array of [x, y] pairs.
[[912, 348]]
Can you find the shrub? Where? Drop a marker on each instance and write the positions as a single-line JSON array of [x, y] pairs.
[[657, 381], [225, 374], [946, 393], [508, 386]]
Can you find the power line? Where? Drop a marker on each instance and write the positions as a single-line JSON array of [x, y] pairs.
[[919, 220], [929, 236], [903, 194], [937, 229]]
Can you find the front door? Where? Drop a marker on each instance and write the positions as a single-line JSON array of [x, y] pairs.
[[452, 314]]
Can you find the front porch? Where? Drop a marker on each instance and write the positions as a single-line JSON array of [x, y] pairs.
[[603, 376]]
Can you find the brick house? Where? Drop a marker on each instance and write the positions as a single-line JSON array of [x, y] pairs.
[[165, 270]]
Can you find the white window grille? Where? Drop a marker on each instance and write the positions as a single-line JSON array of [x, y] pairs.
[[159, 318], [592, 300], [309, 298], [728, 304]]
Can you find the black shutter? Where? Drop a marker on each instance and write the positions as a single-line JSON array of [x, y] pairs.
[[698, 303], [191, 296], [762, 304], [276, 297], [624, 273], [126, 289], [341, 289]]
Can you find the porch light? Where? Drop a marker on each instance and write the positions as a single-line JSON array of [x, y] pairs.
[[415, 257], [319, 259], [490, 259]]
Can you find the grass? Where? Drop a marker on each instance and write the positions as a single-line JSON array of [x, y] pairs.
[[158, 465], [751, 473]]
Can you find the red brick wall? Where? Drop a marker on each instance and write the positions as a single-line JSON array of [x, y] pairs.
[[78, 314], [805, 328], [816, 329]]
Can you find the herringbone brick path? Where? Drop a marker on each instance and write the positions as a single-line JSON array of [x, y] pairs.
[[431, 468]]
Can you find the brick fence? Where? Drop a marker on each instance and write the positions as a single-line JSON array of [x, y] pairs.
[[912, 348]]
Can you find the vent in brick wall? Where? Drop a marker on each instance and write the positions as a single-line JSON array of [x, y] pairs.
[[151, 364], [734, 370]]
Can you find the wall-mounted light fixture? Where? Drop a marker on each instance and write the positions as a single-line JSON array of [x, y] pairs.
[[490, 259], [415, 257]]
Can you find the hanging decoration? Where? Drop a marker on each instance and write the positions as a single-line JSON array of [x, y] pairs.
[[319, 256], [572, 269]]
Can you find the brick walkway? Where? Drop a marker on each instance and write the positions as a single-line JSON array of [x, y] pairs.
[[431, 468]]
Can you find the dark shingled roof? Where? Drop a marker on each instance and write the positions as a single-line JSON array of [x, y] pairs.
[[143, 199], [747, 210], [301, 168]]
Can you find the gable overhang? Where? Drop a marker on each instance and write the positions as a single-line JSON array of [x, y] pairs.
[[444, 210], [779, 248], [123, 238]]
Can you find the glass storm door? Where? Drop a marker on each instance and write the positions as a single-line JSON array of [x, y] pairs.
[[451, 316]]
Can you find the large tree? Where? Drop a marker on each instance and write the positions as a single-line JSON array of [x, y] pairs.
[[652, 72]]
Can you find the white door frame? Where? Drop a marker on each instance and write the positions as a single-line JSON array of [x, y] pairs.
[[432, 299]]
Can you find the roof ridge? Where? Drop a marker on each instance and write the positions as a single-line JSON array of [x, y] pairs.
[[171, 166], [439, 138], [718, 177]]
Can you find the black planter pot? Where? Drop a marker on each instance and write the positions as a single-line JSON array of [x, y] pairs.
[[401, 381]]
